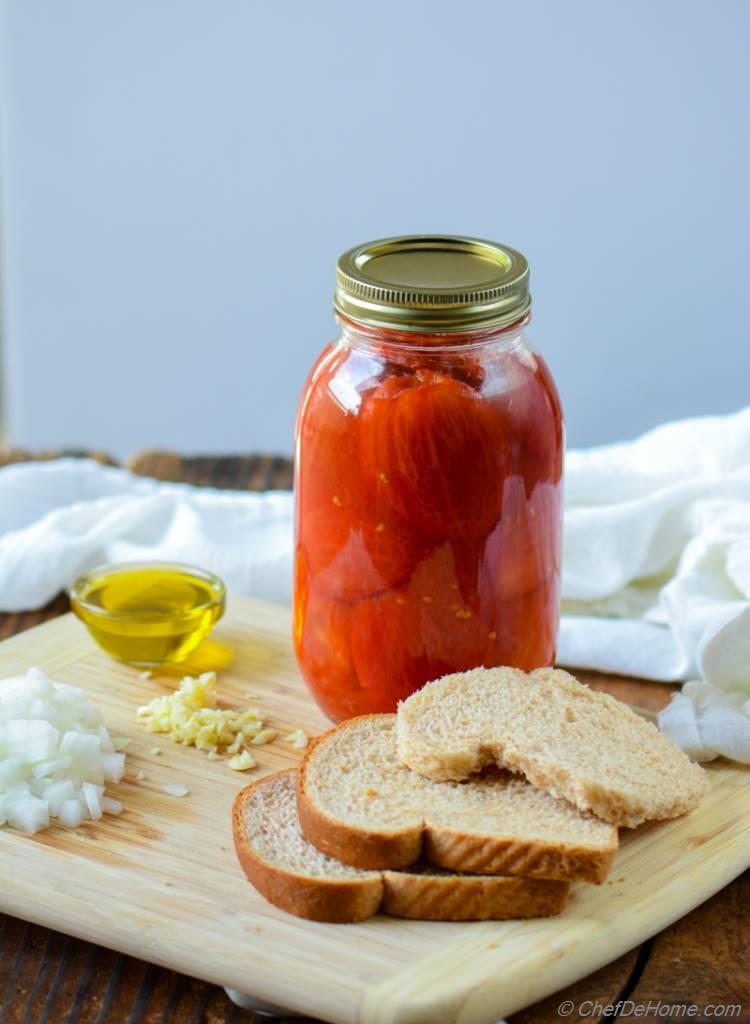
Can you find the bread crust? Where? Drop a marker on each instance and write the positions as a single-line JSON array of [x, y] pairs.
[[492, 855], [440, 845], [462, 898], [359, 848], [317, 899], [417, 895]]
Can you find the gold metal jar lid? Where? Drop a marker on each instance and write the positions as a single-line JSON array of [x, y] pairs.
[[440, 283]]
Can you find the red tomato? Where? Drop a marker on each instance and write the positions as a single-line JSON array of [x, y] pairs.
[[524, 628], [464, 368], [525, 545], [321, 632], [439, 449], [429, 628], [355, 545], [545, 441], [301, 594], [444, 589], [467, 369], [373, 558], [533, 411], [389, 651], [327, 498]]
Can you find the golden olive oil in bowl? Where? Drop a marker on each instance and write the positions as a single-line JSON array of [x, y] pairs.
[[148, 613]]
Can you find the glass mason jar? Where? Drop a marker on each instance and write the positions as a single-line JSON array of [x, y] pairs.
[[429, 457]]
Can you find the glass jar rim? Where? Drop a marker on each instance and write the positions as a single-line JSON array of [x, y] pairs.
[[444, 342]]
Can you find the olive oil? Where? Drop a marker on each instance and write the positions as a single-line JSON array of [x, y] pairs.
[[147, 614]]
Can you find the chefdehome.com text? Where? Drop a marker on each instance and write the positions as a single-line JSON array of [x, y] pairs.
[[628, 1009]]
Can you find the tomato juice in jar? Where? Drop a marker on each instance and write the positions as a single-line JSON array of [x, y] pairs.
[[428, 477]]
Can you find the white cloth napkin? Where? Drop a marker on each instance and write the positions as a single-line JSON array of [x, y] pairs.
[[656, 568], [58, 519], [656, 572]]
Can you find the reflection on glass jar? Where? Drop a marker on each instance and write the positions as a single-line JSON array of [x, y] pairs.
[[428, 478]]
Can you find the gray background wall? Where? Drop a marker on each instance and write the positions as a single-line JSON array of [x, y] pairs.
[[178, 179]]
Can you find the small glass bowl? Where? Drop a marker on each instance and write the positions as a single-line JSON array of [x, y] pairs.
[[148, 613]]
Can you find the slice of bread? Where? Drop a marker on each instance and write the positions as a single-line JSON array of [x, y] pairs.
[[358, 803], [294, 875], [565, 738]]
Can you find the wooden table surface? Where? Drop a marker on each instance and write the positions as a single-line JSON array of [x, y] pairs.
[[50, 978]]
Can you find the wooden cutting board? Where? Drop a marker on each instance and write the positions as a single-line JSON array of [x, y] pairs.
[[161, 881]]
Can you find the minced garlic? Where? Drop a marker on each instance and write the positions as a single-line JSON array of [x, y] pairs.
[[190, 716], [297, 739], [241, 762], [263, 737]]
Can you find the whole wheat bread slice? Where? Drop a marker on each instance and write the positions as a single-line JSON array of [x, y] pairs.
[[358, 803], [295, 876], [565, 738]]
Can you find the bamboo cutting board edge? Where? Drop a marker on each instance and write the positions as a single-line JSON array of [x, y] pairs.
[[409, 972], [242, 942], [544, 956]]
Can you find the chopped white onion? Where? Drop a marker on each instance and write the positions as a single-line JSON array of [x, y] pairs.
[[30, 814], [42, 710], [57, 794], [92, 795], [175, 789], [20, 790], [71, 813], [85, 747], [107, 743], [31, 739], [11, 773], [48, 768], [55, 755], [113, 766]]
